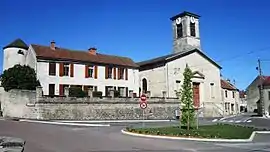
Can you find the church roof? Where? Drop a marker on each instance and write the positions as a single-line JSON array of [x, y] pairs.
[[18, 43], [185, 13], [171, 57]]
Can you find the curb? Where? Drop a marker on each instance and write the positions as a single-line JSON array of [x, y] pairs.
[[250, 139], [67, 124], [111, 121]]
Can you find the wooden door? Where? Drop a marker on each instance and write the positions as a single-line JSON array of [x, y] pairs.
[[196, 94]]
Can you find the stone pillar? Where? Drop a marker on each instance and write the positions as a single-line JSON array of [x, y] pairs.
[[112, 93], [90, 93], [66, 91], [38, 93]]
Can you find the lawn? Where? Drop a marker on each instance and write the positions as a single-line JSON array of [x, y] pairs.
[[222, 131]]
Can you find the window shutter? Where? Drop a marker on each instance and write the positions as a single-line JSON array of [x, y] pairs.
[[126, 73], [96, 71], [86, 71], [71, 70], [61, 90], [118, 73], [114, 73], [106, 72], [61, 69]]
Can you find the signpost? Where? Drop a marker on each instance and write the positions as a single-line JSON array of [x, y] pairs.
[[143, 105]]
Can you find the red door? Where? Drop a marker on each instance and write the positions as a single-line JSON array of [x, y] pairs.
[[196, 94]]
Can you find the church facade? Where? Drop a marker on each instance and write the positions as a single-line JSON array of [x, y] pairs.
[[163, 76]]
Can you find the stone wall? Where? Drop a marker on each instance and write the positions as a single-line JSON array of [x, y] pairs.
[[32, 105]]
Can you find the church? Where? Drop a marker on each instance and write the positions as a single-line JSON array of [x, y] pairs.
[[163, 76]]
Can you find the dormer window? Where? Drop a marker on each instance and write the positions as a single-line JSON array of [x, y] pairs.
[[20, 52], [192, 29]]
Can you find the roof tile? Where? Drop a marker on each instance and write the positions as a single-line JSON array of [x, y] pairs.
[[45, 52], [226, 85]]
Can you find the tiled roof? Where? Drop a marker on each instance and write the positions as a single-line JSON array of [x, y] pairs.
[[17, 43], [226, 85], [242, 94], [266, 80], [45, 52]]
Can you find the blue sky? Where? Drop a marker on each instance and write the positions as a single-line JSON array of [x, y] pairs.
[[141, 29]]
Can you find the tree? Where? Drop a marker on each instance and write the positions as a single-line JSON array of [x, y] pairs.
[[19, 77], [188, 113]]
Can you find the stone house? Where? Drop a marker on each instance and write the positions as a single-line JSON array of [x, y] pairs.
[[253, 95], [230, 97], [163, 76], [58, 68], [243, 101]]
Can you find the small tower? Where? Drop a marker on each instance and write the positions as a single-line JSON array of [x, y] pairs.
[[186, 35], [14, 53]]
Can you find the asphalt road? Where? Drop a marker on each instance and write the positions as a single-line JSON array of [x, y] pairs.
[[53, 138]]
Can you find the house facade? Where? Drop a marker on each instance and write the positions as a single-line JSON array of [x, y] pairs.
[[163, 76], [230, 97], [243, 101], [58, 68], [253, 95]]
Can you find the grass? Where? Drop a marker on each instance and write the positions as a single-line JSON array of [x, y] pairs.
[[221, 131]]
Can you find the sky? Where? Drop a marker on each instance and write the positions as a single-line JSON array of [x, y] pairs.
[[233, 33]]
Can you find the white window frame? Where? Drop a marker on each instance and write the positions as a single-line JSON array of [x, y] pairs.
[[66, 65]]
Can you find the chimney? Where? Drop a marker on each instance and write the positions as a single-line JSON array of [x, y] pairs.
[[53, 45], [92, 51]]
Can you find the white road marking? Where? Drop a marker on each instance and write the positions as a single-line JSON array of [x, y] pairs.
[[214, 120]]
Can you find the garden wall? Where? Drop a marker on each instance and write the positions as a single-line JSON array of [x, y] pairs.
[[32, 105]]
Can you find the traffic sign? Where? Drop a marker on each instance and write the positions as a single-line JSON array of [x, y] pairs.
[[143, 97], [143, 105]]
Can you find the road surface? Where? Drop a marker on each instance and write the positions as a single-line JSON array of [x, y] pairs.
[[53, 138]]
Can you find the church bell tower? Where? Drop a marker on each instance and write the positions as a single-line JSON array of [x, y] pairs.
[[186, 35]]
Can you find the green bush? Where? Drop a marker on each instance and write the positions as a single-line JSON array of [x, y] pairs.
[[77, 92], [97, 94], [19, 77], [224, 131]]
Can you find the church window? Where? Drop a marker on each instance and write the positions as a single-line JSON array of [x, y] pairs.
[[192, 29], [179, 30]]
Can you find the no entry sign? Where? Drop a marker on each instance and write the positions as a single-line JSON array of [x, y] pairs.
[[143, 97], [143, 105]]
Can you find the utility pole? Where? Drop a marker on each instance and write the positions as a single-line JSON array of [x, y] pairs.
[[261, 88]]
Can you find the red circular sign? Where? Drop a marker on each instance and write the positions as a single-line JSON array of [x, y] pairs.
[[143, 97], [143, 105]]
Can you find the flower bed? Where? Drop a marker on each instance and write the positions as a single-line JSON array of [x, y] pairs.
[[221, 131]]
